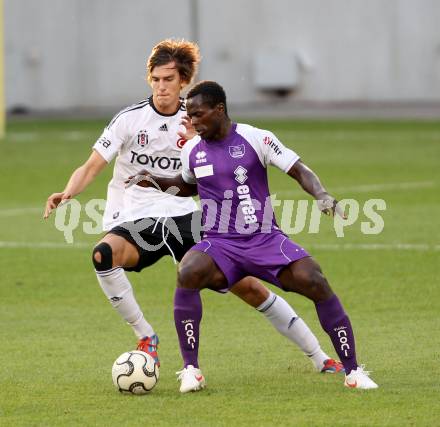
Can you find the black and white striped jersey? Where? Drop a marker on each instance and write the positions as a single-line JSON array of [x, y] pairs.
[[140, 137]]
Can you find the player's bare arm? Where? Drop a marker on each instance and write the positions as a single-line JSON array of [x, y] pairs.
[[176, 184], [311, 183], [78, 181]]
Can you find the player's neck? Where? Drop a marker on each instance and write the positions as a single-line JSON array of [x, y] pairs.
[[223, 131], [166, 109]]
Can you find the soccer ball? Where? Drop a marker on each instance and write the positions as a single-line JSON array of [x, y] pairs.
[[135, 372]]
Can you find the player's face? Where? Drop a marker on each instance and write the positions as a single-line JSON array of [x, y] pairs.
[[207, 120], [166, 84]]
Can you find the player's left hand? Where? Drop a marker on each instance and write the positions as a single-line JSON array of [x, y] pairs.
[[141, 179], [331, 207], [189, 131]]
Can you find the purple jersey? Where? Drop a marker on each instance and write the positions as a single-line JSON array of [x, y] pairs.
[[232, 179]]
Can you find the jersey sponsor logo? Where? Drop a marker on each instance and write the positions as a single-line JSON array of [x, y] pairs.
[[237, 151], [181, 142], [163, 163], [268, 141], [200, 157], [203, 171], [142, 138], [104, 142], [240, 174], [246, 204], [164, 128]]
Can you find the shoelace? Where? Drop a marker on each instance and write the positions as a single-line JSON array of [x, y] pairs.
[[367, 373], [180, 374], [147, 342]]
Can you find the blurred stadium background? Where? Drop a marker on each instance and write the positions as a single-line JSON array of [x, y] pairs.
[[283, 56], [287, 65]]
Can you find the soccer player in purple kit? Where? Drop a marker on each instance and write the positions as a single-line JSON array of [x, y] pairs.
[[139, 221], [228, 161]]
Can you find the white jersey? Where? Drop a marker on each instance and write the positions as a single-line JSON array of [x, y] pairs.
[[142, 138]]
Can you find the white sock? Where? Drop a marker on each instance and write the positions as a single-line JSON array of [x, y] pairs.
[[119, 291], [288, 323]]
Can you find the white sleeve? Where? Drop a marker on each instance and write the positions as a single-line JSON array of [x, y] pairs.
[[275, 152], [110, 142], [187, 174]]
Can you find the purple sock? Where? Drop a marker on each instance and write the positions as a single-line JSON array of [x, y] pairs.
[[187, 317], [336, 323]]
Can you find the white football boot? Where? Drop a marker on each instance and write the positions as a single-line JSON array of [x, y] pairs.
[[359, 379], [191, 379]]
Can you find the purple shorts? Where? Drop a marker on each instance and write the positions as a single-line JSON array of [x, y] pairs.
[[261, 255]]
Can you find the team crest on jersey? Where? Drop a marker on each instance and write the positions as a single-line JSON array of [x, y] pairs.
[[237, 151], [142, 138]]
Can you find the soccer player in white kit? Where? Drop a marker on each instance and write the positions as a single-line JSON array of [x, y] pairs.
[[144, 224]]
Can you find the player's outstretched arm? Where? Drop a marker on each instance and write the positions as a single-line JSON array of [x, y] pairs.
[[310, 182], [175, 185], [78, 181]]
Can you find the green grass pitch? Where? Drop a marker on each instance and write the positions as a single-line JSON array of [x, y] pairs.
[[59, 335]]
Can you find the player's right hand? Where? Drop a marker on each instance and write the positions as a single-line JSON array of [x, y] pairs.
[[189, 132], [55, 200], [142, 179]]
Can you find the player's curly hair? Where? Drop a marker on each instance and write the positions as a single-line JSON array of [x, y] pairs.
[[184, 53], [211, 92]]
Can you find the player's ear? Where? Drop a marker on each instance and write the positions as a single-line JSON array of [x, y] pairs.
[[221, 107], [183, 83]]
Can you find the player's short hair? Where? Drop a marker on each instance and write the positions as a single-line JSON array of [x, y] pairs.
[[211, 92], [185, 54]]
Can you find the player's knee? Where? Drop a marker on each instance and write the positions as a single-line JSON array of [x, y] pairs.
[[251, 291], [318, 285], [249, 286], [102, 257], [189, 276]]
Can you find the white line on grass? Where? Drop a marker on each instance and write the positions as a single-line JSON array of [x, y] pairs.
[[376, 246], [369, 187], [44, 245], [356, 188], [21, 211], [74, 135], [322, 246]]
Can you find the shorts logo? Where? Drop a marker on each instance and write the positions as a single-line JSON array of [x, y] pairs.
[[200, 157], [237, 151], [240, 174], [142, 138]]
